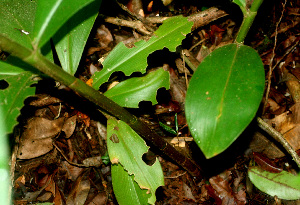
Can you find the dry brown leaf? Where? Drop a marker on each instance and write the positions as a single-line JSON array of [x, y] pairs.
[[221, 185], [288, 124], [20, 181], [188, 192], [36, 140], [79, 192], [100, 198], [69, 126], [93, 161], [73, 171], [58, 200], [262, 144], [44, 197]]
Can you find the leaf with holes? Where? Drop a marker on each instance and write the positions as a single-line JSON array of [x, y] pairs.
[[284, 185], [134, 90], [129, 60], [223, 97], [14, 89], [125, 147], [127, 192]]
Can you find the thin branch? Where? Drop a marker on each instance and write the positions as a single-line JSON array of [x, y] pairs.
[[279, 138], [271, 67], [200, 19]]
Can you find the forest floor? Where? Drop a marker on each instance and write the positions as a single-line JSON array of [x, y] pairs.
[[57, 176]]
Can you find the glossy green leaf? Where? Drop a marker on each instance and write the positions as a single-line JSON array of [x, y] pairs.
[[134, 90], [17, 20], [167, 128], [129, 60], [284, 185], [223, 97], [12, 97], [127, 191], [127, 148], [72, 36], [51, 15]]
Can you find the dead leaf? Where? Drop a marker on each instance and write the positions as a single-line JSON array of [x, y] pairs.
[[100, 198], [36, 140], [288, 124], [93, 161], [69, 126], [79, 192], [262, 144], [188, 192], [222, 186], [73, 171]]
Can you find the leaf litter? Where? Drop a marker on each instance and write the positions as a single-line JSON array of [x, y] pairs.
[[58, 181]]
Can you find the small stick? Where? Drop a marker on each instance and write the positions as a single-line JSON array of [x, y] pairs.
[[279, 138], [64, 156], [271, 68]]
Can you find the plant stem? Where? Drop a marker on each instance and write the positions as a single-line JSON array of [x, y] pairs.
[[249, 16], [36, 59], [255, 5]]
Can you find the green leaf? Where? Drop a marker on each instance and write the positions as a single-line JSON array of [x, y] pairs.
[[13, 96], [126, 147], [284, 184], [4, 159], [168, 129], [223, 97], [240, 3], [17, 18], [72, 36], [51, 15], [129, 60], [130, 92], [127, 191]]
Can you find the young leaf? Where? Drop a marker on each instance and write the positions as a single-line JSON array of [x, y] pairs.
[[284, 184], [223, 97], [127, 191], [72, 36], [17, 18], [129, 60], [168, 129], [51, 15], [134, 90], [240, 3], [17, 89], [126, 147]]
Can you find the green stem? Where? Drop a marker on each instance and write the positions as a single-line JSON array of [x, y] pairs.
[[249, 16], [36, 59], [255, 5]]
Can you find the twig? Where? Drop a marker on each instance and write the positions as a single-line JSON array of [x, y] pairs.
[[282, 30], [65, 157], [200, 19], [271, 68], [138, 25], [279, 138]]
